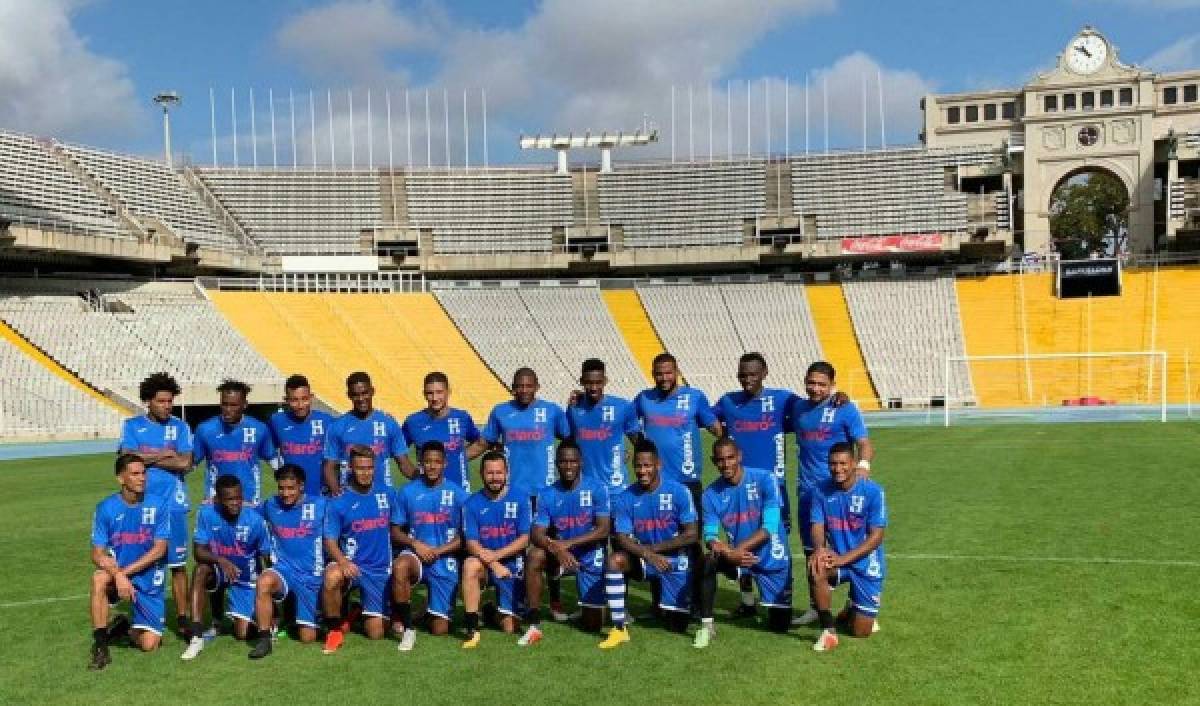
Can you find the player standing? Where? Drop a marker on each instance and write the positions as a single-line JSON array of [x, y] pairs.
[[655, 525], [299, 431], [569, 535], [599, 424], [164, 443], [232, 443], [130, 533], [365, 426], [229, 541], [744, 504], [453, 427], [496, 523], [427, 523], [358, 540], [296, 520], [849, 516]]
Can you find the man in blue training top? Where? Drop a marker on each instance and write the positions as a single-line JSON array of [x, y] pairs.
[[229, 542], [130, 532], [569, 536], [366, 426], [744, 504], [496, 524], [358, 540], [233, 443], [451, 426], [299, 432], [654, 522], [297, 523], [600, 424], [427, 527], [164, 443], [849, 516], [821, 420]]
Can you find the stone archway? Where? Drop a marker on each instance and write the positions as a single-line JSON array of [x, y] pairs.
[[1089, 209]]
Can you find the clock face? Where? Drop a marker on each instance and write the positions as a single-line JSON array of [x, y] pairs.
[[1089, 135], [1086, 54]]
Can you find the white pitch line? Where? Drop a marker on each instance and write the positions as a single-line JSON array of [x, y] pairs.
[[999, 558], [40, 601]]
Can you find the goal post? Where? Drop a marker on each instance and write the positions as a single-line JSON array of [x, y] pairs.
[[1131, 382]]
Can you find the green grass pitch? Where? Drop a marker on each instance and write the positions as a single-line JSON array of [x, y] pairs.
[[1028, 564]]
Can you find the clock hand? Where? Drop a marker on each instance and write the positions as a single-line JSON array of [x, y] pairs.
[[1081, 48]]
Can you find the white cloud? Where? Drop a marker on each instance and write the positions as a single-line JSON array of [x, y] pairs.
[[1181, 54], [52, 83]]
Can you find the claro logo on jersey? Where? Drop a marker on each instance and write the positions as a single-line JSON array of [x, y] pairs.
[[599, 434], [763, 423], [293, 448]]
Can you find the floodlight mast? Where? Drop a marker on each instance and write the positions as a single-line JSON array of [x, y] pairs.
[[606, 141], [167, 100]]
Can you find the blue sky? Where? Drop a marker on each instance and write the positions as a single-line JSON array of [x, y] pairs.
[[84, 70]]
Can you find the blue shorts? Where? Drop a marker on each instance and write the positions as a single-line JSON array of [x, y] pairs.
[[372, 587], [148, 609], [442, 581], [785, 506], [306, 589], [865, 591], [239, 596], [675, 585], [510, 592], [589, 586], [177, 547], [804, 518], [774, 587]]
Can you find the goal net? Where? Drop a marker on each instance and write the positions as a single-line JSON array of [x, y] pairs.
[[1116, 385]]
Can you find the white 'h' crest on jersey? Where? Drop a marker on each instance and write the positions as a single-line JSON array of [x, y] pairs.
[[539, 415], [752, 490], [378, 429], [242, 533], [453, 426], [683, 402], [828, 414], [585, 498], [768, 404], [608, 414], [666, 503], [318, 426], [148, 515], [248, 435], [447, 497], [170, 434], [510, 511], [308, 511], [381, 501]]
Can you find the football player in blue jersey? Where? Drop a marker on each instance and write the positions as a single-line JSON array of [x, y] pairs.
[[569, 535], [164, 443], [427, 527], [654, 525], [743, 503], [297, 522], [600, 423], [453, 427], [364, 425], [849, 516], [496, 523], [299, 432], [229, 542], [130, 532], [233, 443]]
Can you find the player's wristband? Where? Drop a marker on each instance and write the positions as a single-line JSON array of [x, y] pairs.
[[864, 465], [711, 532]]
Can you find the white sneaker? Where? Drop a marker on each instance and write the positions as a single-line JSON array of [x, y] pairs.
[[532, 636], [874, 627], [211, 633], [826, 641], [808, 617], [195, 645], [407, 641], [558, 614]]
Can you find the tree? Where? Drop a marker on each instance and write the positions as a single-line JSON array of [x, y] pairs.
[[1089, 213]]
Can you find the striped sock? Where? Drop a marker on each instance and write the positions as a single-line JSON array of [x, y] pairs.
[[614, 589]]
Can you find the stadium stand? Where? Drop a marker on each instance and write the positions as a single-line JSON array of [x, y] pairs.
[[630, 317], [397, 338], [669, 205], [906, 327], [839, 343], [296, 212], [884, 192], [696, 328], [151, 189], [492, 210], [774, 319], [36, 187]]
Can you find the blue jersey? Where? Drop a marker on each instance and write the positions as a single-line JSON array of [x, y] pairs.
[[600, 430], [573, 512], [296, 535], [146, 435], [495, 524], [234, 451], [360, 524], [673, 423], [739, 510], [431, 514], [849, 516], [528, 435], [129, 531], [302, 442], [758, 425], [379, 430], [241, 540], [818, 427], [654, 516], [456, 431]]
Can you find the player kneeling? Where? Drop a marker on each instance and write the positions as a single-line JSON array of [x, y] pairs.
[[427, 520], [496, 529], [569, 532], [228, 542], [129, 549], [848, 521], [744, 502], [296, 522], [655, 524]]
